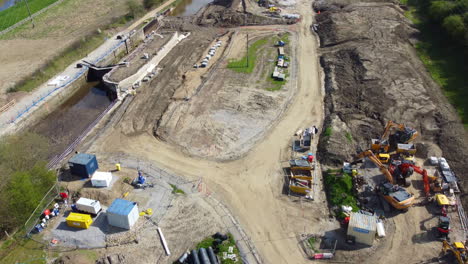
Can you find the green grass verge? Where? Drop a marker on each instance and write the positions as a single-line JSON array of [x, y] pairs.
[[19, 11], [445, 61], [339, 187], [224, 247], [241, 64], [328, 131], [176, 190], [24, 251], [311, 242], [78, 50]]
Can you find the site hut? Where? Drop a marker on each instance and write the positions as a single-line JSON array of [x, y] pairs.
[[280, 51], [83, 165], [362, 228], [88, 206], [101, 179], [122, 213]]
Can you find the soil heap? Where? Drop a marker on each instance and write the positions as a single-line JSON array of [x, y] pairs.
[[373, 75]]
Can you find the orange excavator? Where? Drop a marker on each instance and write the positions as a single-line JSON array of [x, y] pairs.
[[405, 169], [402, 135], [395, 195]]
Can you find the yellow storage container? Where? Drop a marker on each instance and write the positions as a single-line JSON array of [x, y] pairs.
[[79, 220]]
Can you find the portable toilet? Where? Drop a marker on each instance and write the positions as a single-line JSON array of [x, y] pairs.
[[101, 179], [83, 165], [122, 213], [362, 228], [79, 220]]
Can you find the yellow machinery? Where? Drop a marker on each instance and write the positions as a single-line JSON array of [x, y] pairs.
[[395, 195], [79, 220], [300, 180], [458, 250], [274, 9], [300, 186], [442, 200], [402, 134], [369, 154]]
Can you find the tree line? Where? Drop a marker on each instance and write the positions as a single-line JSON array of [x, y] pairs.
[[450, 15], [24, 178]]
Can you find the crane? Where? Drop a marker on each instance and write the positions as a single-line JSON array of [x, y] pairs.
[[403, 134]]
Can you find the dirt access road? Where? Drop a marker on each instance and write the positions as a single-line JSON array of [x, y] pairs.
[[252, 186]]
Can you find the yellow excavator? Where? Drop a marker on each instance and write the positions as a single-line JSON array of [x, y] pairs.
[[388, 141], [395, 195], [458, 250]]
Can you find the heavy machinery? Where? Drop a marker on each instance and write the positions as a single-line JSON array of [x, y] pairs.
[[389, 141], [397, 196], [404, 169], [443, 228], [458, 250]]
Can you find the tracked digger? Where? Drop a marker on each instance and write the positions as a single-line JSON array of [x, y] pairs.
[[393, 135], [458, 250], [395, 195]]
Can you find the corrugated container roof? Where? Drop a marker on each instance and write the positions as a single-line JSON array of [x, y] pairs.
[[82, 158], [87, 201], [362, 221], [121, 207]]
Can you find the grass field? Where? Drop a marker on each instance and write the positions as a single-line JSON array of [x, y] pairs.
[[79, 50], [445, 61], [241, 65], [19, 11], [339, 186]]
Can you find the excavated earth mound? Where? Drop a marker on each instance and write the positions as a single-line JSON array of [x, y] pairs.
[[373, 75]]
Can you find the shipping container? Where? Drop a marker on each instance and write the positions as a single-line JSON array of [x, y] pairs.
[[88, 206], [79, 220], [101, 179], [363, 228], [83, 165], [122, 213]]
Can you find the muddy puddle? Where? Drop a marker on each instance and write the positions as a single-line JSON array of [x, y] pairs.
[[189, 7], [69, 121]]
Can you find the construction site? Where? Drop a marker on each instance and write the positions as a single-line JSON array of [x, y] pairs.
[[245, 131]]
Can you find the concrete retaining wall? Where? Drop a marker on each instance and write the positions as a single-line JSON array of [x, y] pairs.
[[123, 87]]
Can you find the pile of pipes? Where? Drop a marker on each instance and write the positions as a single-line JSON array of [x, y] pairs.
[[210, 54], [201, 256]]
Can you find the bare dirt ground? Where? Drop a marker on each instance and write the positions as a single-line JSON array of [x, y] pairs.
[[151, 102], [251, 186], [151, 48], [373, 61], [233, 110]]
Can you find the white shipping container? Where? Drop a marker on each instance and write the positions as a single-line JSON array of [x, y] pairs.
[[88, 206], [101, 179]]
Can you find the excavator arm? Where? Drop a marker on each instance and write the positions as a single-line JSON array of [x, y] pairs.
[[369, 154], [399, 127]]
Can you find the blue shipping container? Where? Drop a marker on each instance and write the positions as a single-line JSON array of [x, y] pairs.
[[83, 165]]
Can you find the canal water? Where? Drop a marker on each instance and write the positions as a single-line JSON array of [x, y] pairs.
[[4, 4], [71, 119], [189, 7]]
